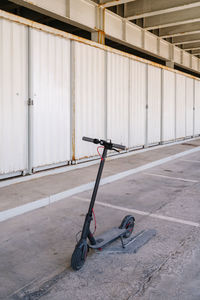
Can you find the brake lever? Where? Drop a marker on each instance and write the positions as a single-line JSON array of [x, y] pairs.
[[115, 150]]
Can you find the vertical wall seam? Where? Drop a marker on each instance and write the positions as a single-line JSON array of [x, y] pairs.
[[147, 106], [72, 100], [30, 106], [106, 94], [129, 102], [161, 106], [175, 129], [194, 92], [185, 107]]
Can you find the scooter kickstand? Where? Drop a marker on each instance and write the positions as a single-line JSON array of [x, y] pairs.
[[123, 245]]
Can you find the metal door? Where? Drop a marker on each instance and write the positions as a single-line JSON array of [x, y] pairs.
[[117, 98], [168, 106], [154, 105], [137, 105], [13, 98], [50, 92]]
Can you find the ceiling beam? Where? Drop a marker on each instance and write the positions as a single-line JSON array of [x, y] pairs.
[[195, 52], [185, 39], [171, 19], [191, 46], [180, 30], [109, 3], [146, 8]]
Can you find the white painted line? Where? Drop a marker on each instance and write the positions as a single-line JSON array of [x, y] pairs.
[[171, 177], [135, 211], [71, 192], [60, 170], [176, 220], [10, 213], [142, 213], [189, 160], [20, 210]]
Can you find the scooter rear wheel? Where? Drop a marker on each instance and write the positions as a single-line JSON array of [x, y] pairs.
[[128, 223], [79, 256]]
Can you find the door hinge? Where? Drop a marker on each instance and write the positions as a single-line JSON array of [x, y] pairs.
[[30, 101]]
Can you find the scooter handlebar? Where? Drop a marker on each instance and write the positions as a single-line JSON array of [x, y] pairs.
[[87, 139], [109, 145], [121, 147]]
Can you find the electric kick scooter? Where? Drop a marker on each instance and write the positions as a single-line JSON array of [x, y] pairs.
[[123, 231]]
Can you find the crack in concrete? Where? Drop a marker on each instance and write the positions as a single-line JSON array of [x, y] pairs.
[[152, 275]]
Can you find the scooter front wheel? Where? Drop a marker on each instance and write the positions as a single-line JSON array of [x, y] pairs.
[[128, 223], [79, 256]]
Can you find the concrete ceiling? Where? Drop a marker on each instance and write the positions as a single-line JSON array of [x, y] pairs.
[[177, 21]]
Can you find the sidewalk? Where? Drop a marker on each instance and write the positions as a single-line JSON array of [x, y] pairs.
[[23, 193]]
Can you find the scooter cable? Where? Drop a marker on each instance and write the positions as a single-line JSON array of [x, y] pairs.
[[99, 152]]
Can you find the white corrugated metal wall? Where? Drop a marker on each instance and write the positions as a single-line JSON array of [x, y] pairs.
[[13, 97], [50, 85], [84, 91], [189, 106], [137, 108], [117, 98], [180, 106], [154, 105], [197, 108], [168, 106], [90, 113]]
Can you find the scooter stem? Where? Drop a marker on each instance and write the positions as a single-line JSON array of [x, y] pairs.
[[99, 174], [86, 226]]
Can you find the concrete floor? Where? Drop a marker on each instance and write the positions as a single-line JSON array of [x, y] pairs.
[[36, 248]]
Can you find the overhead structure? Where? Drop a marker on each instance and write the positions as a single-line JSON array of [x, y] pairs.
[[178, 21], [167, 30]]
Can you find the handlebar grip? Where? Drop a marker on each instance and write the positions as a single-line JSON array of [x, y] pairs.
[[87, 139], [121, 147]]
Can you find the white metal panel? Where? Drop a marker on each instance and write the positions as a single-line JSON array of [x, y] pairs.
[[168, 106], [197, 107], [13, 97], [83, 11], [177, 55], [50, 84], [113, 25], [137, 109], [186, 59], [154, 105], [195, 62], [164, 49], [60, 8], [133, 34], [117, 98], [189, 106], [180, 106], [89, 98], [150, 42]]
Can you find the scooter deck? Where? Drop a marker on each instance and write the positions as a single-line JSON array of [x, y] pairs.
[[108, 237]]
